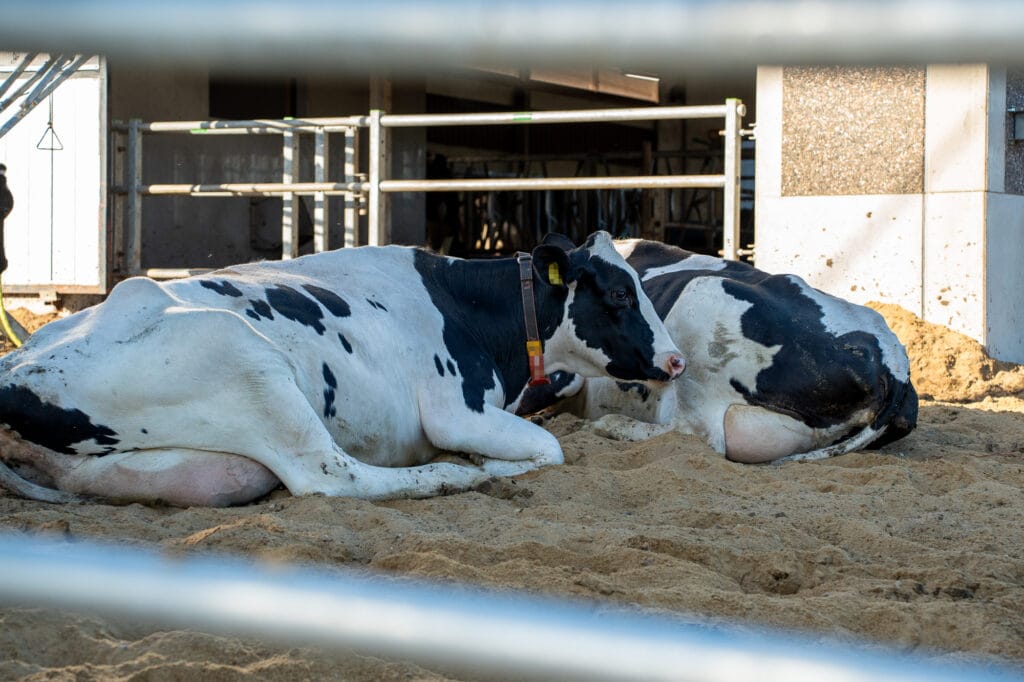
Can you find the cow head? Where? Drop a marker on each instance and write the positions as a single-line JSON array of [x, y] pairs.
[[607, 325]]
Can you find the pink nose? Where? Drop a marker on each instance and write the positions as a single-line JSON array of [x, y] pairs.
[[675, 365]]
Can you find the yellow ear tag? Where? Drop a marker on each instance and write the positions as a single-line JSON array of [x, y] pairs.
[[554, 276]]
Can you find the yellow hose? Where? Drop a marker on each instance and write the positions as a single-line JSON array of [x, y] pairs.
[[6, 324]]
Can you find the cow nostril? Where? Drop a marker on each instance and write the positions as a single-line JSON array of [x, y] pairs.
[[677, 364]]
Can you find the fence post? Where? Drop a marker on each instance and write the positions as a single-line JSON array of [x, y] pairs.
[[321, 218], [379, 215], [133, 202], [290, 205], [734, 111], [351, 200]]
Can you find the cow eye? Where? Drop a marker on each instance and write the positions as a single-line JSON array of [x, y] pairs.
[[620, 296]]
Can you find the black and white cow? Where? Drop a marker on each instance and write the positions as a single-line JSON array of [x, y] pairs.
[[342, 373], [776, 369]]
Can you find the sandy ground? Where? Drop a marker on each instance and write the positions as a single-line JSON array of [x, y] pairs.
[[919, 546]]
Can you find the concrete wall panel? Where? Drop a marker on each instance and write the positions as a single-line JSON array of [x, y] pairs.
[[862, 248], [852, 130], [1004, 254]]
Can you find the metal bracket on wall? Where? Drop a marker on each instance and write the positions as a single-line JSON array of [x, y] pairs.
[[1017, 127]]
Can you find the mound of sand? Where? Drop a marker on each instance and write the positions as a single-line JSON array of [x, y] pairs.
[[918, 546], [29, 320], [946, 365]]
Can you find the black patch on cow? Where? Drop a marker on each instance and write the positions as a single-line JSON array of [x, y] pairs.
[[378, 306], [259, 310], [641, 389], [483, 332], [334, 304], [293, 305], [818, 377], [344, 343], [438, 365], [224, 287], [611, 325], [145, 430], [329, 391], [451, 367], [46, 424], [543, 396]]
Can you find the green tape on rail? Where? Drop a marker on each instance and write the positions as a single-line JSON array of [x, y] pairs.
[[522, 116]]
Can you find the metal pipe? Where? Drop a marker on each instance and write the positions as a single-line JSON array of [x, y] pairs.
[[18, 70], [28, 83], [45, 87], [376, 199], [133, 202], [251, 188], [731, 170], [572, 116], [171, 273], [331, 125], [512, 635], [511, 184], [321, 219], [423, 37], [351, 202], [290, 205]]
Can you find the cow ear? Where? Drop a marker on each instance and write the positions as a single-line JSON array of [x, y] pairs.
[[552, 265], [559, 240]]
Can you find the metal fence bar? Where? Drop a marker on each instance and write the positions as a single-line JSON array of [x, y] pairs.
[[351, 213], [330, 124], [133, 203], [513, 635], [431, 37], [321, 219], [564, 116], [511, 184], [731, 171], [377, 209], [249, 188], [290, 209]]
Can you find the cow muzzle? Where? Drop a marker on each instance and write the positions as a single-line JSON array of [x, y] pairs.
[[673, 364]]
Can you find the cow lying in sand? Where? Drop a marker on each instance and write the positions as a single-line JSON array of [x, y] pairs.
[[776, 369], [341, 373]]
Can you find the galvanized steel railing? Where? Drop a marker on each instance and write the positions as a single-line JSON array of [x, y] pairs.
[[467, 630], [368, 191]]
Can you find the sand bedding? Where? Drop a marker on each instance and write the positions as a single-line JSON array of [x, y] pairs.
[[919, 546]]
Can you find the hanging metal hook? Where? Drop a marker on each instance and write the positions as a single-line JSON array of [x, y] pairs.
[[50, 140]]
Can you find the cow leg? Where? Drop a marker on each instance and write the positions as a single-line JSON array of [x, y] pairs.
[[510, 444], [621, 427]]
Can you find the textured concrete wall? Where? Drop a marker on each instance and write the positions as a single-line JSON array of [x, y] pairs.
[[852, 130], [1014, 150]]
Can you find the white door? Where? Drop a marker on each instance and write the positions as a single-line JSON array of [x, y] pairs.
[[55, 236]]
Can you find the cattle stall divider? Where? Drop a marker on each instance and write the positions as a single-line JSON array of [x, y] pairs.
[[367, 192]]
